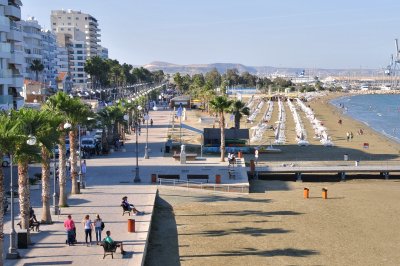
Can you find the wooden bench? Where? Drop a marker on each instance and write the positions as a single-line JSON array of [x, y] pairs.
[[189, 156], [125, 210], [108, 249], [202, 177]]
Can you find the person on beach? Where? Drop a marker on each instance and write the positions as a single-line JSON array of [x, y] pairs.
[[109, 241], [347, 136], [351, 135], [88, 226], [69, 226], [98, 227]]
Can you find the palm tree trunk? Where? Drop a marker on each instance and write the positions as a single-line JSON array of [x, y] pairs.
[[23, 190], [1, 210], [62, 202], [46, 216], [74, 162], [237, 120], [222, 126]]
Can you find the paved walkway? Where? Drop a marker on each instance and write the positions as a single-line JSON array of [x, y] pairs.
[[108, 179]]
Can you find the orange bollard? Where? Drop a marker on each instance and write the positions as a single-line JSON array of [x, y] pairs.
[[240, 154], [131, 225], [306, 193], [217, 179], [324, 193], [153, 178], [252, 166]]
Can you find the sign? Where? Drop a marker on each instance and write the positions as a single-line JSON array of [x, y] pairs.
[[366, 145]]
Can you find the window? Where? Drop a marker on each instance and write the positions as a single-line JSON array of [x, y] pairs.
[[80, 57], [69, 23], [77, 18], [69, 29], [54, 24], [79, 52], [69, 17]]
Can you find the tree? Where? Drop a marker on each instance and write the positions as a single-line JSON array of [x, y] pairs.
[[29, 122], [213, 77], [178, 81], [221, 104], [37, 67], [57, 104], [47, 136], [238, 110], [8, 138]]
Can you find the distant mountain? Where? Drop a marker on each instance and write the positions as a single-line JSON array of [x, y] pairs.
[[191, 69]]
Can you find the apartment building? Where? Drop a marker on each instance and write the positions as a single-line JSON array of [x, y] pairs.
[[11, 55], [102, 52], [49, 58], [32, 44], [79, 33]]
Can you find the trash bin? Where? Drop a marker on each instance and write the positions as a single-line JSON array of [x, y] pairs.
[[79, 185], [357, 163], [131, 225], [346, 157], [167, 149], [153, 178], [22, 240], [217, 179], [324, 193], [306, 193], [240, 154], [252, 166]]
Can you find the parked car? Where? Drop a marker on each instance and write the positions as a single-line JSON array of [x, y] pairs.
[[88, 146], [6, 161]]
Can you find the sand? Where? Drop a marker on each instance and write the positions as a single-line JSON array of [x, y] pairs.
[[356, 225]]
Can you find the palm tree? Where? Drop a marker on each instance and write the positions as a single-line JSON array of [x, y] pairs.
[[8, 138], [77, 114], [29, 122], [47, 137], [37, 67], [221, 104], [57, 104], [238, 110]]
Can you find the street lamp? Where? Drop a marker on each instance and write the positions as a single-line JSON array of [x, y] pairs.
[[137, 178], [56, 210], [146, 149], [12, 250]]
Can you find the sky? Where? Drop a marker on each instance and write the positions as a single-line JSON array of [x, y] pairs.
[[285, 33]]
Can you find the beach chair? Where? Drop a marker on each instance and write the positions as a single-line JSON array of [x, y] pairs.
[[109, 249], [125, 210]]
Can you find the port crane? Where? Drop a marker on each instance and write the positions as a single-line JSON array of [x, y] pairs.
[[394, 67]]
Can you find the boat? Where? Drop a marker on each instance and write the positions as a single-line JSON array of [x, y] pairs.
[[268, 149]]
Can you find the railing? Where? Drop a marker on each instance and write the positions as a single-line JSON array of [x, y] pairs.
[[202, 185]]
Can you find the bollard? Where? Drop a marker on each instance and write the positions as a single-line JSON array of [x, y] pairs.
[[131, 225], [306, 193], [240, 154], [217, 179], [324, 193], [153, 178]]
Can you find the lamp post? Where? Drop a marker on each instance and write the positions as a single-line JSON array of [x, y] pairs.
[[56, 210], [12, 250], [146, 149], [137, 178]]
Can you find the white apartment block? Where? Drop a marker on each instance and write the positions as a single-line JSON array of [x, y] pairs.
[[79, 33], [49, 58], [32, 46], [11, 55], [102, 52]]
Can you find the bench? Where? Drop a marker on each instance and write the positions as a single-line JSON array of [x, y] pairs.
[[169, 176], [108, 249], [189, 156], [32, 226], [205, 177], [125, 210]]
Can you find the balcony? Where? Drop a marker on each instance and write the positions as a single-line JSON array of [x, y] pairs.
[[5, 50], [15, 35], [17, 81], [5, 76], [12, 11], [3, 2], [6, 99], [4, 24], [17, 58]]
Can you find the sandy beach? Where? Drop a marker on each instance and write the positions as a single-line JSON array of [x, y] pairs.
[[275, 225]]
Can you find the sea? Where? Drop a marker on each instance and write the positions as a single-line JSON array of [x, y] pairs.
[[380, 112]]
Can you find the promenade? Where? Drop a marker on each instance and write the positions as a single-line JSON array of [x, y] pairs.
[[109, 178]]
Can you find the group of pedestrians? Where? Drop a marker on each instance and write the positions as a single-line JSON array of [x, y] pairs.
[[88, 225], [349, 136]]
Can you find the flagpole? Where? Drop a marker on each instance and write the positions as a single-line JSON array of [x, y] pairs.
[[180, 129]]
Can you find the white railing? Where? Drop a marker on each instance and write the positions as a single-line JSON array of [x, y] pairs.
[[202, 185]]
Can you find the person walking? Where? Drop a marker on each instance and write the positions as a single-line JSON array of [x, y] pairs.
[[69, 226], [347, 136], [98, 228], [83, 169], [151, 122], [88, 226]]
